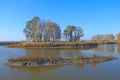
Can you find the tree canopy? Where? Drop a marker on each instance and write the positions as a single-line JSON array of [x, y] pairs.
[[73, 33], [38, 29], [42, 30]]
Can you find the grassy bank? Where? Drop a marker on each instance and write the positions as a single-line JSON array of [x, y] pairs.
[[40, 60], [55, 45], [36, 58]]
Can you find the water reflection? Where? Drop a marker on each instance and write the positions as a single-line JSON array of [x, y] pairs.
[[36, 70], [65, 53], [118, 48], [80, 65], [62, 72], [46, 69], [83, 65], [42, 52], [70, 53], [110, 48]]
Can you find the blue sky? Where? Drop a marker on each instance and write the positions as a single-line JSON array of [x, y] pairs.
[[94, 16]]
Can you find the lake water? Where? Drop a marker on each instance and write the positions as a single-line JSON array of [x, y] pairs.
[[102, 71]]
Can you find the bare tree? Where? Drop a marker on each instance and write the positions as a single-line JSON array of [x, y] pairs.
[[39, 30], [53, 32], [73, 33]]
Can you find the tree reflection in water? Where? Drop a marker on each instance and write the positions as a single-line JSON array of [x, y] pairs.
[[118, 48], [46, 69], [36, 69], [65, 53], [83, 65], [110, 48]]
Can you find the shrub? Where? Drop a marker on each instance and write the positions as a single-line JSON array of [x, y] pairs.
[[94, 55], [80, 57]]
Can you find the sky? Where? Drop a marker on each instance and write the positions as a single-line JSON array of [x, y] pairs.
[[94, 16]]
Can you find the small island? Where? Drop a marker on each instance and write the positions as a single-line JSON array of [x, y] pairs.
[[42, 61], [48, 34], [42, 33]]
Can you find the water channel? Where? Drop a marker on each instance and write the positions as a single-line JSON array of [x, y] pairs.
[[102, 71]]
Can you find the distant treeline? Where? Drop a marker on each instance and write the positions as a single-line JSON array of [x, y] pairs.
[[9, 42], [106, 37]]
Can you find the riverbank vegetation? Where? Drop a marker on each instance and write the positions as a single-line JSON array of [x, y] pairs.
[[56, 60], [55, 45]]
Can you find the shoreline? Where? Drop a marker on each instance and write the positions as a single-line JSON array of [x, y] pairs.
[[61, 61], [81, 45]]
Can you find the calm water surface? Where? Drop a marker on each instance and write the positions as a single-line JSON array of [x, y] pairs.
[[102, 71]]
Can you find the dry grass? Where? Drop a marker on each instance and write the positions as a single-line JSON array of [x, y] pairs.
[[111, 56], [34, 58], [79, 57], [94, 55], [53, 44]]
